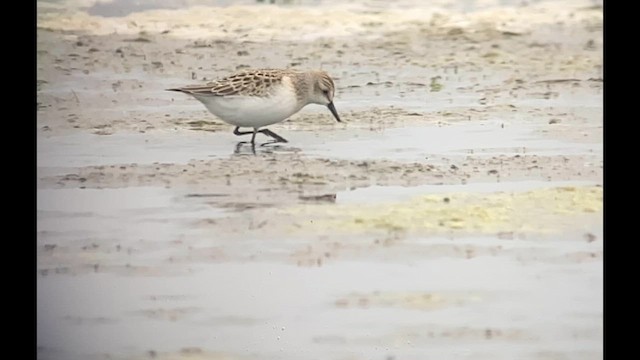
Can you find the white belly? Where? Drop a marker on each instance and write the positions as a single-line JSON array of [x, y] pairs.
[[252, 111]]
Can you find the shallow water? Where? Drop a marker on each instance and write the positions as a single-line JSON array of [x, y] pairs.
[[118, 215], [375, 194], [150, 294], [410, 143], [275, 311]]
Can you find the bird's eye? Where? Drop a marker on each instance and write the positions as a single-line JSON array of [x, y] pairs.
[[326, 92]]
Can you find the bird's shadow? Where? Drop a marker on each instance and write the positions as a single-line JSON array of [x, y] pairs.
[[270, 147]]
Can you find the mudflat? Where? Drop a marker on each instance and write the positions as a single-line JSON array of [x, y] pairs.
[[456, 214]]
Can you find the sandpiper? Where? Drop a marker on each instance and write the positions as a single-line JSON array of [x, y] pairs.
[[258, 98]]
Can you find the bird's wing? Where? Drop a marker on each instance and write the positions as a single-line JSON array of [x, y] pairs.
[[255, 83]]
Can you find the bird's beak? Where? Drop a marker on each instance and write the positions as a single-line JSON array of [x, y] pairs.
[[333, 111]]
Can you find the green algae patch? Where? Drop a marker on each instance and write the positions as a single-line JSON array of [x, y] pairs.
[[407, 300], [537, 211]]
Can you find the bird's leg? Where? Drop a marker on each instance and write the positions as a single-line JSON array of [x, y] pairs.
[[239, 146], [273, 135], [267, 132], [237, 132]]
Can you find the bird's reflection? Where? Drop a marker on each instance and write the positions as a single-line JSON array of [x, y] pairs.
[[270, 147]]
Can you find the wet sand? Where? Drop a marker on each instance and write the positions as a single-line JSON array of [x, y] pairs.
[[456, 214]]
